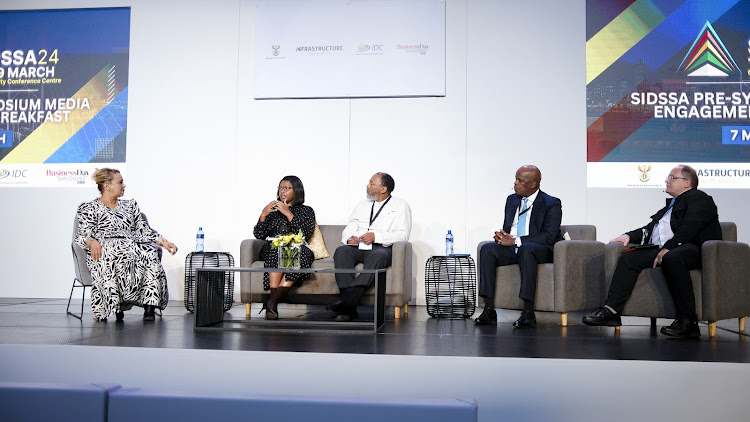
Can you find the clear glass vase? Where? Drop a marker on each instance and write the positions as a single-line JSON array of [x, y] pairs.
[[288, 257]]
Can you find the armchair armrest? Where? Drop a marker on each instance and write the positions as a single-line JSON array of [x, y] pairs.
[[726, 280], [612, 253], [250, 251], [579, 274], [401, 263]]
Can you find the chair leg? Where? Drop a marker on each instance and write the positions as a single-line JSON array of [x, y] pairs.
[[564, 319], [711, 329], [397, 312], [70, 297], [742, 324], [406, 309], [247, 310], [617, 329], [83, 296]]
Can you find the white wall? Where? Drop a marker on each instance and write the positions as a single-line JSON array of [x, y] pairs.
[[201, 151]]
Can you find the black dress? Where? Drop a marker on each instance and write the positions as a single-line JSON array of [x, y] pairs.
[[277, 224]]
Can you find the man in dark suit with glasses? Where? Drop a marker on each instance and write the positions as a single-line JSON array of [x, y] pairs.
[[677, 233]]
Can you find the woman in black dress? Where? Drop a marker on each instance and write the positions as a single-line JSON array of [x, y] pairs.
[[284, 215]]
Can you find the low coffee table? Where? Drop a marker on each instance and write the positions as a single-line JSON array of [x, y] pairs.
[[209, 305]]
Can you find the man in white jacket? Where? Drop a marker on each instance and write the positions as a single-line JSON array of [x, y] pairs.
[[374, 225]]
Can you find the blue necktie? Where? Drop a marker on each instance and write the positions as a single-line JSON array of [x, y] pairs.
[[521, 229]]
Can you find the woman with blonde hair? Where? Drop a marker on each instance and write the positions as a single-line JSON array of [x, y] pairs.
[[124, 263]]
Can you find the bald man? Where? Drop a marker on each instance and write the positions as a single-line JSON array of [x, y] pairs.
[[529, 233]]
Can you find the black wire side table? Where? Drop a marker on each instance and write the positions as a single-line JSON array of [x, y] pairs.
[[450, 286], [196, 260]]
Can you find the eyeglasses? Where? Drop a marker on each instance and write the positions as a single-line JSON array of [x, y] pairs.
[[670, 177], [285, 188]]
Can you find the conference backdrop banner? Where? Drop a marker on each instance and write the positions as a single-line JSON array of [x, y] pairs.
[[345, 49], [667, 83], [63, 95]]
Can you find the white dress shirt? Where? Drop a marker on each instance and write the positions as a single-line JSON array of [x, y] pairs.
[[663, 229], [393, 224], [529, 204]]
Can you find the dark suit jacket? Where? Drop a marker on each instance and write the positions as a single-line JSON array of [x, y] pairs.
[[546, 216], [694, 220]]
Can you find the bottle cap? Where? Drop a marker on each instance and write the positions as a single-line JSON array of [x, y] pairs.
[[449, 232]]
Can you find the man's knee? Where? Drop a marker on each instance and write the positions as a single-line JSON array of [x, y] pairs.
[[672, 261], [535, 251], [488, 254], [378, 258], [343, 254]]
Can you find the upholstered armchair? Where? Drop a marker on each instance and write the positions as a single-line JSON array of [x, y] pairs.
[[721, 287], [573, 282], [321, 289]]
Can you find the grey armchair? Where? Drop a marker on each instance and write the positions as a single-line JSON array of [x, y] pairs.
[[82, 277], [321, 289], [573, 282], [721, 287]]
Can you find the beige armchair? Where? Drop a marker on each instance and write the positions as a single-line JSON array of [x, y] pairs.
[[321, 289], [573, 282], [721, 287]]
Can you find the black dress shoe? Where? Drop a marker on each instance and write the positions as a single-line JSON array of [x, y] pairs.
[[120, 315], [149, 312], [682, 328], [488, 316], [335, 308], [527, 320], [347, 315], [603, 317]]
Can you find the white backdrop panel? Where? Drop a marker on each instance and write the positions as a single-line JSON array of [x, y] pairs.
[[530, 114], [324, 48]]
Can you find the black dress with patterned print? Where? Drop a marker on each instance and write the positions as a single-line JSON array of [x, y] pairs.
[[129, 271], [277, 224]]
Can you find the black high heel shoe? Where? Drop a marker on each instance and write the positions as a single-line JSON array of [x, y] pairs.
[[149, 312], [265, 304], [271, 313], [273, 302]]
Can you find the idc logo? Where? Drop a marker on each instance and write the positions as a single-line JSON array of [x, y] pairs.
[[367, 49], [6, 139], [14, 174]]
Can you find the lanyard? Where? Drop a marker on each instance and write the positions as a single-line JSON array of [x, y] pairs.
[[524, 211], [372, 219]]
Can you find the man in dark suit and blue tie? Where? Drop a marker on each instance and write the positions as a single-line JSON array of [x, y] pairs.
[[530, 231]]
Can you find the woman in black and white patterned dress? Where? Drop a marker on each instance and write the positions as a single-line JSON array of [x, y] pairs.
[[286, 214], [125, 267]]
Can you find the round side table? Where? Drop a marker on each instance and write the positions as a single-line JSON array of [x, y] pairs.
[[450, 286]]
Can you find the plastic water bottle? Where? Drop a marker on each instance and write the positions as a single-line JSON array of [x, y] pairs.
[[449, 243], [199, 240]]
